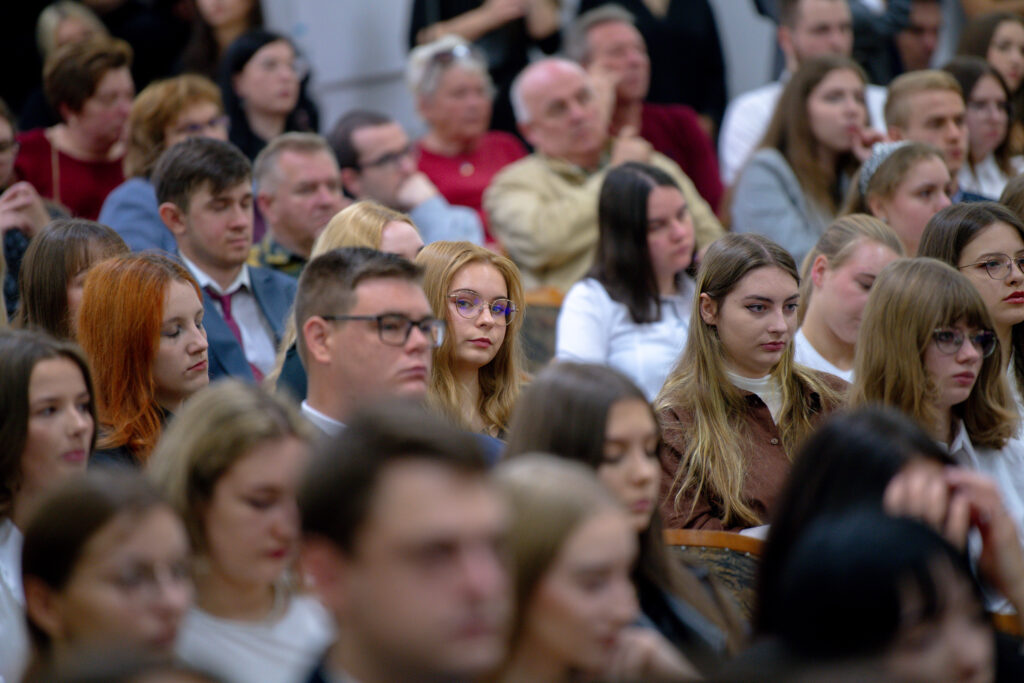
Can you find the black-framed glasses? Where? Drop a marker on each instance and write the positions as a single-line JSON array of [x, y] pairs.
[[193, 129], [998, 265], [394, 328], [468, 304], [949, 341], [389, 159]]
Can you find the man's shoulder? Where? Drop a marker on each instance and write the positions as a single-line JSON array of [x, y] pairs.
[[756, 99], [261, 275]]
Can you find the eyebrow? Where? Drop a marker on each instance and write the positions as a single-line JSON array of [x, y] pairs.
[[758, 297]]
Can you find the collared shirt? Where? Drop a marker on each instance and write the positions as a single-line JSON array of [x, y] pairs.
[[328, 425], [1006, 466], [14, 645], [270, 254], [257, 335], [11, 541], [986, 178]]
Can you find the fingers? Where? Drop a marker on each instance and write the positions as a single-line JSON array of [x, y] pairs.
[[919, 492]]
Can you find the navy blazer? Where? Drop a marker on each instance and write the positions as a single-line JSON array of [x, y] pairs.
[[274, 294]]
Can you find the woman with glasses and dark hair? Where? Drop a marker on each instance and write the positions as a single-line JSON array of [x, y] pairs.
[[262, 80], [632, 312], [934, 355], [477, 370], [454, 95], [989, 164]]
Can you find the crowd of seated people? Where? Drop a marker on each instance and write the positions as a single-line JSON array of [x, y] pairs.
[[602, 377]]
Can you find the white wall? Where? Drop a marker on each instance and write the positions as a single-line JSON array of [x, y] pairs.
[[357, 49]]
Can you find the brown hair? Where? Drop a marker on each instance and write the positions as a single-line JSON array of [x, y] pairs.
[[888, 176], [72, 74], [905, 86]]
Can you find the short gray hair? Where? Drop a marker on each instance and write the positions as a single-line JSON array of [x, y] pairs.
[[422, 79], [519, 108], [576, 47], [264, 170]]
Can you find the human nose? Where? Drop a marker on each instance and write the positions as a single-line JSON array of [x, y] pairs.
[[417, 340], [78, 422], [643, 468], [942, 200], [198, 343], [483, 572], [173, 593], [968, 353], [623, 604]]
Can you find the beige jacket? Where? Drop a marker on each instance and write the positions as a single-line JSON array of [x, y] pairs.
[[544, 212]]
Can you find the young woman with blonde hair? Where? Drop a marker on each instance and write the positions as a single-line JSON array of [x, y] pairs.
[[837, 276], [736, 405], [477, 371], [362, 224], [934, 355], [230, 465]]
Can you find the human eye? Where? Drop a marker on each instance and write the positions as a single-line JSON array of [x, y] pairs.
[[501, 307], [392, 323], [755, 308], [791, 306], [172, 332], [945, 336], [46, 410]]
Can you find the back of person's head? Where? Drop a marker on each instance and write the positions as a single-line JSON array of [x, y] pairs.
[[20, 352], [55, 258], [215, 429], [119, 329], [57, 540], [906, 86], [341, 485], [327, 286], [838, 243], [118, 664], [847, 463], [73, 73], [155, 110], [340, 136], [623, 260], [909, 301], [857, 586], [884, 171], [576, 36], [265, 172], [55, 15], [197, 163], [361, 224], [1013, 196]]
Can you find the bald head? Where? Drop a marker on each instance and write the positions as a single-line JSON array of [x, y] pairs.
[[558, 112]]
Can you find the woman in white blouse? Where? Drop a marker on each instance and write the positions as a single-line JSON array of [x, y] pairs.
[[633, 310], [836, 277]]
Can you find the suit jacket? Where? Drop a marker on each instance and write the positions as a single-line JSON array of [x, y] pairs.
[[274, 294]]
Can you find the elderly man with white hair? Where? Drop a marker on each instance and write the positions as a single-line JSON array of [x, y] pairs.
[[543, 208]]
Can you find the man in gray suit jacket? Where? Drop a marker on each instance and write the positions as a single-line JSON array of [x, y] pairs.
[[204, 188]]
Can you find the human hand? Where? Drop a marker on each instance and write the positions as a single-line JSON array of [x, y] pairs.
[[628, 146], [643, 654], [21, 208], [604, 81], [920, 490], [503, 11], [863, 140], [415, 190]]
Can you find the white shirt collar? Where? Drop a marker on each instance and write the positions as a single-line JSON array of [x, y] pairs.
[[328, 425], [204, 280], [11, 541]]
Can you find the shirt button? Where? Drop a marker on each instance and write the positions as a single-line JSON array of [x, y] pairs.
[[774, 442]]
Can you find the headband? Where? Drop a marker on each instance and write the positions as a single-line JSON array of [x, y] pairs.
[[880, 151]]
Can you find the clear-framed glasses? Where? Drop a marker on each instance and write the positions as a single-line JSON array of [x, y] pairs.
[[468, 304], [998, 265], [389, 159], [194, 129], [949, 341], [394, 328]]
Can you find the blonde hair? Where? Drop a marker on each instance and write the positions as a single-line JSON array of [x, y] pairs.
[[500, 379], [54, 14], [358, 225], [888, 176], [910, 299], [217, 427], [838, 243], [897, 107], [712, 463]]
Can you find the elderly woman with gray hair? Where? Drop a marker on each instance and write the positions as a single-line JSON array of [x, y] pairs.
[[454, 94]]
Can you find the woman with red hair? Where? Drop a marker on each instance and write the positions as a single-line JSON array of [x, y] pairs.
[[148, 358]]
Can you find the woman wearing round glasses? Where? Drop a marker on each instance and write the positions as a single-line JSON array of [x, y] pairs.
[[476, 372], [933, 356]]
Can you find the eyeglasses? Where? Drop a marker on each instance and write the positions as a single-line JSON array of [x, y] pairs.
[[394, 328], [998, 266], [194, 129], [950, 341], [389, 159], [469, 304]]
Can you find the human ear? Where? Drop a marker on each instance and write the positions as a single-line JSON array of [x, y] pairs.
[[818, 268], [173, 217], [876, 205], [316, 334], [350, 180], [708, 310], [42, 606], [327, 569]]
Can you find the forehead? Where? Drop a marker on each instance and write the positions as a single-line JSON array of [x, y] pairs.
[[204, 193], [996, 238], [371, 141], [481, 277], [179, 299], [279, 49], [1009, 30], [460, 74], [840, 78], [198, 110], [812, 13], [613, 32], [988, 86], [115, 79], [302, 163], [769, 281], [553, 82], [390, 295], [54, 374], [932, 104]]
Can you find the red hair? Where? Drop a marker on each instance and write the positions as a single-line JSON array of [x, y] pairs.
[[119, 328]]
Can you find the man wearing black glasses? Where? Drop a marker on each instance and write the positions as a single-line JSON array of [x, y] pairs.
[[366, 332]]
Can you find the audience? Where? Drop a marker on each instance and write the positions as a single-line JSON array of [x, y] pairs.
[[543, 209], [902, 184], [47, 430], [988, 165], [105, 564], [807, 29], [163, 114], [837, 276], [632, 312], [606, 42], [261, 79], [53, 273], [141, 324], [78, 162], [454, 93], [405, 541], [298, 190], [566, 527], [476, 371], [216, 26], [230, 465], [735, 406], [377, 162], [791, 188], [917, 42], [998, 38], [365, 331], [204, 187], [595, 415], [896, 37]]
